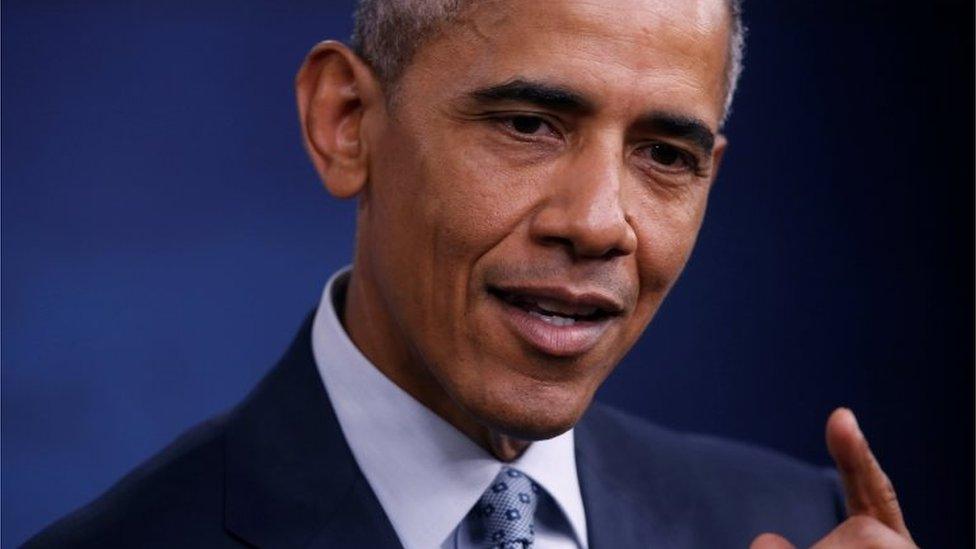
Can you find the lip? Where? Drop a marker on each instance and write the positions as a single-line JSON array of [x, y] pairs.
[[551, 339], [585, 298]]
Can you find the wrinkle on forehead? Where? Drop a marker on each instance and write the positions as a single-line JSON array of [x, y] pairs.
[[634, 35]]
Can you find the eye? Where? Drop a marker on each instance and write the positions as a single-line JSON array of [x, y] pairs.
[[666, 155], [671, 158], [527, 125]]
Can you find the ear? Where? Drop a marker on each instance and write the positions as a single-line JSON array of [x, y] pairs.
[[718, 152], [335, 89]]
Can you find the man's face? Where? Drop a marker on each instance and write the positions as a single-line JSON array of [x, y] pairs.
[[536, 191]]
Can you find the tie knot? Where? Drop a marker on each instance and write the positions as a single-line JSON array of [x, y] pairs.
[[507, 510]]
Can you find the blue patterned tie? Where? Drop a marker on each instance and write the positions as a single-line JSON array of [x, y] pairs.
[[507, 511]]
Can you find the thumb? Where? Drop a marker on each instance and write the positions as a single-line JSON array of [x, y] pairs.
[[771, 541]]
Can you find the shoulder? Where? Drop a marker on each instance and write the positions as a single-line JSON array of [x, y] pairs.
[[175, 496], [708, 481], [638, 440]]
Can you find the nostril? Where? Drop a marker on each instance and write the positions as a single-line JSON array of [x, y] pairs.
[[557, 241], [581, 250], [615, 252]]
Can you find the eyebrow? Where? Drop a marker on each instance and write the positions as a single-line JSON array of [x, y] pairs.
[[678, 126], [543, 95]]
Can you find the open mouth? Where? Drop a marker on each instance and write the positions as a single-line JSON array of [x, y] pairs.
[[558, 312], [557, 321]]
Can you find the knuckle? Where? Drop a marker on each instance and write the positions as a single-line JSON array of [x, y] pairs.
[[888, 495]]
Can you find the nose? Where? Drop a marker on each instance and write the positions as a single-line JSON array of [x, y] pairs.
[[584, 211]]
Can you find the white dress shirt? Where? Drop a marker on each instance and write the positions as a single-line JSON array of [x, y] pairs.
[[426, 474]]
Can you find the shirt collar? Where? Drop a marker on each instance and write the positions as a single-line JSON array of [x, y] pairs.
[[404, 449]]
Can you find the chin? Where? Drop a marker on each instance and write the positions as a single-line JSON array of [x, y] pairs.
[[541, 412]]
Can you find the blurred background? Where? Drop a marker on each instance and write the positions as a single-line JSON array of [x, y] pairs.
[[163, 236]]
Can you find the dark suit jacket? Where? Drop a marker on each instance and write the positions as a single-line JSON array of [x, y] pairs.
[[276, 472]]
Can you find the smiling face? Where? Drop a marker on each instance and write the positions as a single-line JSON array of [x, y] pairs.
[[533, 193]]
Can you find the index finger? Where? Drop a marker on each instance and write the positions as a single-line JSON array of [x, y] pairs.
[[866, 486]]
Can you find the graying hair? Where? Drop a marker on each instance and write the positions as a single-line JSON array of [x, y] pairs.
[[387, 33]]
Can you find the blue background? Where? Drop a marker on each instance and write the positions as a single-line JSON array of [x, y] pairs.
[[163, 236]]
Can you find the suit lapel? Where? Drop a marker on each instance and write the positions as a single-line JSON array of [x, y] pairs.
[[291, 480], [627, 504]]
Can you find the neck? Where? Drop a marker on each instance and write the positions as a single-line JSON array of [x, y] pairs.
[[374, 333]]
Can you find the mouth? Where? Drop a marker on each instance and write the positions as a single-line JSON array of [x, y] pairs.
[[557, 321]]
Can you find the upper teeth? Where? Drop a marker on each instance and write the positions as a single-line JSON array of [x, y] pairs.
[[562, 308], [554, 320]]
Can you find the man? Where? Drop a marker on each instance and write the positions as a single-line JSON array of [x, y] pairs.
[[531, 178]]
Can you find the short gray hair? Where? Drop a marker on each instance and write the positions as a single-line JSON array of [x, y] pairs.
[[387, 33]]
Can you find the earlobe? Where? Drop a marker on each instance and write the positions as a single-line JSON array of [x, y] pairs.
[[334, 88]]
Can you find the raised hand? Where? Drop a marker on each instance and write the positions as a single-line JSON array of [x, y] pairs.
[[874, 516]]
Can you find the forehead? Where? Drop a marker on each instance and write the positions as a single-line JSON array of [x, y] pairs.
[[628, 53]]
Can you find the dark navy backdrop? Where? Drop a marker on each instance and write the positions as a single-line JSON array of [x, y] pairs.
[[163, 235]]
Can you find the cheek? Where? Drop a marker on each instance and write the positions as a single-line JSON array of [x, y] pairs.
[[478, 198], [666, 234], [441, 203]]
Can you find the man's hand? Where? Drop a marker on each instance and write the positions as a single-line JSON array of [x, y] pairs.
[[874, 516]]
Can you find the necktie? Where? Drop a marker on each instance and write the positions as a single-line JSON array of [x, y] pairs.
[[507, 510]]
